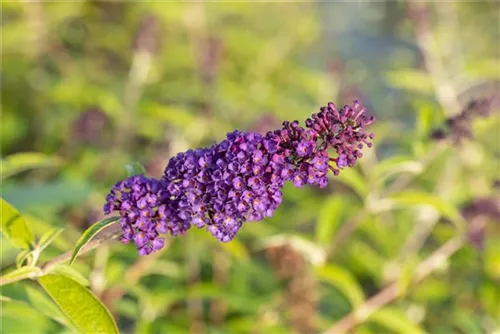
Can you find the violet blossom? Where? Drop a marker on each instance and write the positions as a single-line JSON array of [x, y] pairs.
[[239, 179]]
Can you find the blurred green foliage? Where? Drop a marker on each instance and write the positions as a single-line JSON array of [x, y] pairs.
[[89, 87]]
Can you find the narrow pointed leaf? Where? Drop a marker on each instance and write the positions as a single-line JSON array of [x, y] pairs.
[[81, 307], [21, 273], [410, 197], [20, 162], [5, 299], [90, 233], [47, 238], [328, 219], [21, 257], [354, 180], [14, 227], [343, 281], [395, 320]]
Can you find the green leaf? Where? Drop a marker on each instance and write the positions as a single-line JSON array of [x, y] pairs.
[[396, 165], [353, 179], [70, 272], [177, 116], [486, 68], [20, 162], [21, 273], [467, 321], [368, 263], [135, 168], [426, 119], [395, 320], [343, 281], [237, 249], [14, 227], [5, 299], [47, 238], [90, 233], [46, 306], [22, 256], [412, 80], [78, 304], [410, 197], [20, 317], [329, 218]]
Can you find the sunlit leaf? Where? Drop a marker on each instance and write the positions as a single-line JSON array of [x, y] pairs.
[[20, 317], [492, 258], [203, 290], [353, 179], [90, 233], [487, 68], [431, 290], [46, 306], [14, 227], [4, 299], [364, 258], [21, 273], [395, 320], [396, 165], [47, 238], [22, 256], [343, 281], [329, 218], [163, 267], [135, 168], [70, 272], [78, 304], [20, 162], [409, 197], [236, 249], [411, 80], [177, 116], [44, 229], [467, 320]]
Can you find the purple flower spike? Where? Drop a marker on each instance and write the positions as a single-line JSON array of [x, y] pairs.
[[238, 179]]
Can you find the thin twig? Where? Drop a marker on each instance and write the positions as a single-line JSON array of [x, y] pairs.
[[110, 233], [393, 291]]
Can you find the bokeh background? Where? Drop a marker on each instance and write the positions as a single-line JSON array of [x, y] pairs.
[[91, 86]]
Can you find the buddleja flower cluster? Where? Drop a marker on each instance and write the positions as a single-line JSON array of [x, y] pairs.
[[239, 179], [459, 127]]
